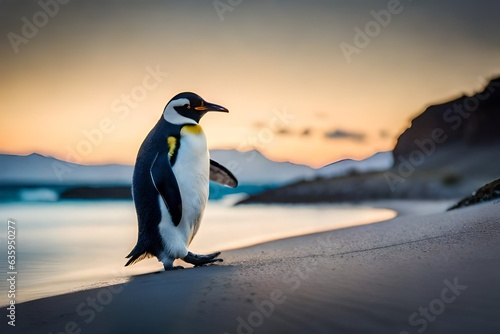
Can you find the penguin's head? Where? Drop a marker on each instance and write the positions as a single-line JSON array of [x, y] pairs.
[[188, 108]]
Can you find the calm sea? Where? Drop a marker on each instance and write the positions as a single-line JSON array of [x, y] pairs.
[[67, 246]]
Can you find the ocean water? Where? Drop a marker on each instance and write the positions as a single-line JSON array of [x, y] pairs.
[[67, 246]]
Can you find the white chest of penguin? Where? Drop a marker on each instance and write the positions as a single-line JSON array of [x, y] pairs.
[[192, 170]]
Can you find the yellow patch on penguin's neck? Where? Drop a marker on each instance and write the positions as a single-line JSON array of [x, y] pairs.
[[191, 129], [172, 144]]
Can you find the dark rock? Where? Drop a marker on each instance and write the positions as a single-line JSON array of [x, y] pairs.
[[487, 192]]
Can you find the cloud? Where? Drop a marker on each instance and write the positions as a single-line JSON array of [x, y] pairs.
[[306, 132], [342, 134], [283, 131], [258, 125], [384, 134]]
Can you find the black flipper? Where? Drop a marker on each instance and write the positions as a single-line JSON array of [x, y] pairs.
[[222, 175], [166, 184]]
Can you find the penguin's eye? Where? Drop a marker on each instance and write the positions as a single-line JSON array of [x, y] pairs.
[[187, 106]]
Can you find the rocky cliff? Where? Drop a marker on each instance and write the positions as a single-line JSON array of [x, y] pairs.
[[465, 122]]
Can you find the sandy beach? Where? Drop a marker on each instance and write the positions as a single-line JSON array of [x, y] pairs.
[[432, 272]]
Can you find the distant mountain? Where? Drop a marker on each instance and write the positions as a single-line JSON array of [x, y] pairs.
[[36, 169], [378, 162], [252, 167], [39, 178], [35, 177]]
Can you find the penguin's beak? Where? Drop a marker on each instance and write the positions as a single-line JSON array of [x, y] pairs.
[[207, 106]]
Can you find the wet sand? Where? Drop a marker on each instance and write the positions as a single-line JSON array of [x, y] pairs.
[[432, 273]]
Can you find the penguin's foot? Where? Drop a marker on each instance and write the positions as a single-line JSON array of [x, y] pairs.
[[172, 267], [199, 260]]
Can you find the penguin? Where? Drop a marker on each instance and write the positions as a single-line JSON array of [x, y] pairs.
[[170, 183]]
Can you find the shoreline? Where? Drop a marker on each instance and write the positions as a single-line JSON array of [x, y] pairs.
[[399, 207], [224, 229], [365, 278], [412, 207]]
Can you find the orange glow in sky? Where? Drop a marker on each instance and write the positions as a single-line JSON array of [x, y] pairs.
[[94, 80]]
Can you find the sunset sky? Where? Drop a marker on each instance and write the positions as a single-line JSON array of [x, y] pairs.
[[278, 66]]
